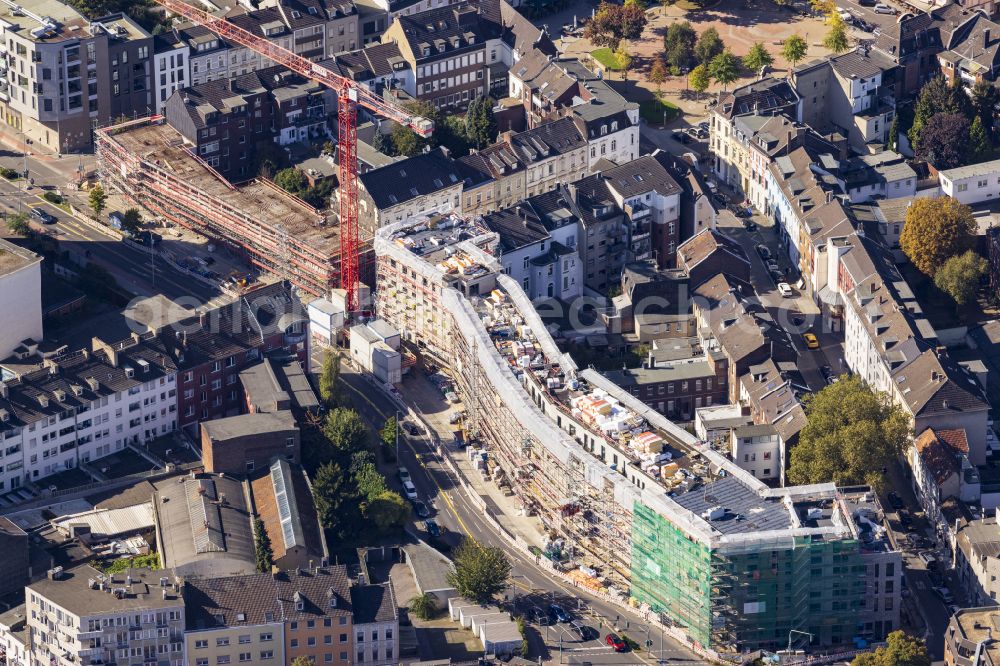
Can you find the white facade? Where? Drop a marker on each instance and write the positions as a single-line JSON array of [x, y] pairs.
[[20, 298], [377, 643], [170, 73], [561, 277], [375, 349], [972, 184], [614, 142], [784, 216], [758, 452]]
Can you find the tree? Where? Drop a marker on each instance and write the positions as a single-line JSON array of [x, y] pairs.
[[481, 572], [387, 511], [132, 221], [406, 142], [893, 141], [423, 606], [724, 68], [960, 276], [291, 180], [329, 378], [98, 200], [303, 661], [794, 50], [346, 430], [823, 7], [678, 45], [328, 493], [985, 98], [613, 23], [389, 432], [937, 97], [836, 38], [935, 230], [709, 45], [699, 78], [382, 143], [262, 546], [852, 432], [980, 148], [944, 140], [658, 75], [623, 59], [480, 123], [758, 58], [902, 650], [17, 223]]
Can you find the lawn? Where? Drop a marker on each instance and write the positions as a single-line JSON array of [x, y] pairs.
[[607, 58], [652, 111]]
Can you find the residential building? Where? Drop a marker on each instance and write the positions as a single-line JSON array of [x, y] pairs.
[[851, 94], [20, 292], [977, 564], [425, 183], [278, 383], [83, 616], [913, 43], [225, 120], [758, 449], [240, 444], [83, 405], [972, 52], [714, 425], [375, 349], [711, 253], [730, 143], [446, 47], [378, 66], [605, 244], [941, 470], [697, 209], [204, 527], [968, 640], [283, 501], [654, 306], [769, 391], [376, 625], [539, 246], [14, 636], [678, 388], [171, 64], [63, 72], [973, 184], [274, 618]]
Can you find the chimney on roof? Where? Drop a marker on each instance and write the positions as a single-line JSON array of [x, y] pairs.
[[986, 38], [829, 196]]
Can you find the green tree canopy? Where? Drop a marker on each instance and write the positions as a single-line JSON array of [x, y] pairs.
[[836, 37], [613, 23], [678, 45], [387, 511], [389, 432], [383, 144], [658, 74], [699, 78], [480, 123], [937, 97], [423, 606], [985, 98], [902, 650], [329, 379], [935, 230], [262, 546], [709, 45], [132, 221], [725, 68], [758, 58], [303, 661], [328, 494], [97, 200], [623, 58], [960, 276], [17, 223], [851, 434], [980, 148], [794, 50], [481, 572], [291, 180], [346, 430], [944, 140]]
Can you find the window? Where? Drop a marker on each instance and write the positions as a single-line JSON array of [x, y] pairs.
[[222, 659], [201, 662], [201, 644], [295, 643], [267, 654], [267, 636], [221, 642], [244, 640], [244, 656]]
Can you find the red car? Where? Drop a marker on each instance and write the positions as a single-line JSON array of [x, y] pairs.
[[615, 642]]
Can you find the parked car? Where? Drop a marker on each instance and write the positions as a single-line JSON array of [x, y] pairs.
[[739, 211], [409, 490], [764, 252], [945, 594], [412, 429], [615, 642], [895, 501], [404, 475], [785, 290], [882, 8], [421, 509], [702, 133], [749, 224], [812, 342], [867, 3], [559, 613], [927, 559], [539, 617], [432, 528], [720, 199], [703, 125], [583, 631], [681, 137], [42, 216]]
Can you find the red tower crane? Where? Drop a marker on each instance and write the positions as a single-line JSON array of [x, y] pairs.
[[349, 96]]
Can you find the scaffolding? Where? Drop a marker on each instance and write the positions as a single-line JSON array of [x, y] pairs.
[[147, 162]]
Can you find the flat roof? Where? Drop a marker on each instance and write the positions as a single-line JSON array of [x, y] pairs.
[[242, 425], [13, 257], [162, 145], [70, 24], [72, 591]]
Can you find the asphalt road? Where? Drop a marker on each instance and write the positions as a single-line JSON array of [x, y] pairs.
[[134, 269], [531, 586]]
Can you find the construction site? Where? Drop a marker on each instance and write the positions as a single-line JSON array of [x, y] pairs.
[[147, 161], [631, 503]]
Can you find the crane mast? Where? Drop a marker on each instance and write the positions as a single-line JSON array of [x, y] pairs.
[[349, 96]]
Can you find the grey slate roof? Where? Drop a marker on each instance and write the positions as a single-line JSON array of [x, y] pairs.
[[470, 23], [373, 603], [639, 176], [416, 176]]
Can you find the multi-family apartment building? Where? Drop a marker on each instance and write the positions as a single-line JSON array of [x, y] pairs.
[[226, 119], [271, 618], [852, 93], [62, 73], [914, 41], [83, 616], [970, 55], [376, 625], [171, 67], [551, 434], [21, 292], [730, 141], [968, 640]]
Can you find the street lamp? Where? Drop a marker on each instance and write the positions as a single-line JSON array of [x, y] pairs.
[[397, 434]]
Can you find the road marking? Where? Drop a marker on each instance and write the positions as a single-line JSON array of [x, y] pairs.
[[441, 492]]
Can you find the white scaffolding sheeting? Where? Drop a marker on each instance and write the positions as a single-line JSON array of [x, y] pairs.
[[531, 318]]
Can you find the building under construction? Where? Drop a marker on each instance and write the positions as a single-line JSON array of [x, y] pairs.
[[148, 162], [628, 500]]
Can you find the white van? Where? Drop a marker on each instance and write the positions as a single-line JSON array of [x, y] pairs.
[[785, 290]]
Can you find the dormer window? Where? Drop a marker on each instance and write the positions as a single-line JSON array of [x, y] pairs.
[[614, 126], [604, 130], [427, 51]]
